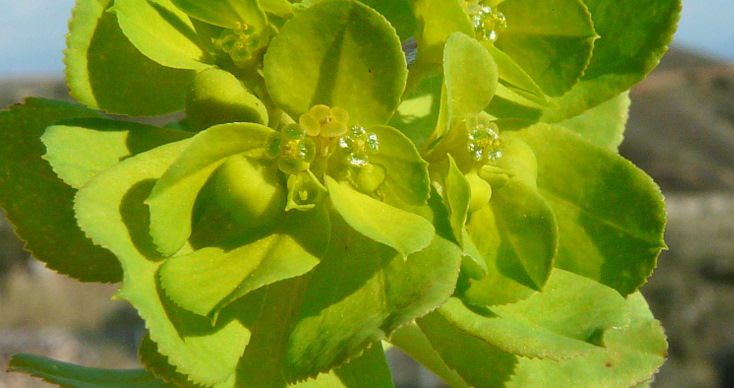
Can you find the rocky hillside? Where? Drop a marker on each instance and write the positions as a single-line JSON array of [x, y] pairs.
[[681, 131]]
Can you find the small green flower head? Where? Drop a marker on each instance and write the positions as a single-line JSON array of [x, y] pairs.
[[304, 191], [357, 145], [291, 147], [322, 120], [241, 43], [484, 139], [487, 22]]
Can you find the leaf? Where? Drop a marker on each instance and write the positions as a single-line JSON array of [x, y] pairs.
[[506, 280], [368, 370], [417, 114], [158, 364], [77, 376], [470, 77], [551, 40], [399, 13], [111, 210], [359, 293], [338, 53], [437, 20], [413, 342], [162, 33], [604, 124], [280, 8], [105, 71], [173, 197], [38, 203], [632, 354], [225, 13], [610, 214], [528, 228], [79, 149], [473, 362], [405, 232], [457, 194], [218, 97], [559, 323], [634, 36], [483, 345], [455, 198], [473, 264], [514, 78], [523, 230], [209, 279], [406, 178], [516, 109]]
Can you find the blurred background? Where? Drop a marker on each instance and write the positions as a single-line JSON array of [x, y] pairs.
[[681, 131]]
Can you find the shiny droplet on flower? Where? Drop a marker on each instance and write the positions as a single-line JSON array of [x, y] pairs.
[[273, 144], [291, 165], [357, 131], [294, 132], [346, 143], [358, 159], [477, 153], [357, 144], [484, 139], [293, 149], [372, 143], [307, 150], [487, 23]]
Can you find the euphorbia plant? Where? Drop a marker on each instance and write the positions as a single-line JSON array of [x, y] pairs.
[[324, 197]]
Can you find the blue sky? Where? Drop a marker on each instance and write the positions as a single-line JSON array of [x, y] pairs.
[[32, 36], [32, 33]]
